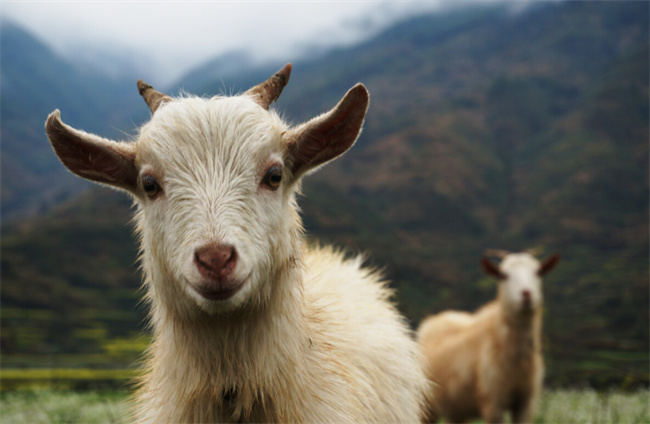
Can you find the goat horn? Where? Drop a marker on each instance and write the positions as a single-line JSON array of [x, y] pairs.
[[152, 97], [535, 251], [267, 92], [497, 253]]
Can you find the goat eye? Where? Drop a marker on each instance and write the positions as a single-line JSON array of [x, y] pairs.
[[150, 186], [273, 177]]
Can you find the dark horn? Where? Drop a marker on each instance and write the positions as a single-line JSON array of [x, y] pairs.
[[152, 97], [267, 92]]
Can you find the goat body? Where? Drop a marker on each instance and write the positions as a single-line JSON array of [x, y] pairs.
[[488, 363], [303, 359], [249, 323]]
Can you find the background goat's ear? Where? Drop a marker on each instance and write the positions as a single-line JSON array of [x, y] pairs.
[[548, 264], [491, 268], [92, 157], [329, 135]]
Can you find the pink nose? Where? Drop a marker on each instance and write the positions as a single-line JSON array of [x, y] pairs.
[[525, 295], [215, 261]]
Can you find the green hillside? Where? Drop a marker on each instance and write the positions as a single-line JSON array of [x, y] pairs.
[[70, 287], [487, 128]]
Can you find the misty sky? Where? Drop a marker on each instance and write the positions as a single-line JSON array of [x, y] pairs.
[[175, 36]]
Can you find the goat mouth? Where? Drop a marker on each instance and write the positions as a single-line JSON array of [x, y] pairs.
[[221, 289], [527, 307]]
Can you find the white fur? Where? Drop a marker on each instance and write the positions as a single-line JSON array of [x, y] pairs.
[[311, 337]]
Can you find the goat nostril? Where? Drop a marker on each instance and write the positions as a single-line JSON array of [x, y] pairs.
[[525, 295], [215, 260]]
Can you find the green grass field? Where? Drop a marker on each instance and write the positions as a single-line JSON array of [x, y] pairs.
[[47, 406], [589, 406], [556, 406]]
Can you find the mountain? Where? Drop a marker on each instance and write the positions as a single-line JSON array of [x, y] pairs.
[[119, 63], [228, 64], [487, 128], [70, 283], [35, 81]]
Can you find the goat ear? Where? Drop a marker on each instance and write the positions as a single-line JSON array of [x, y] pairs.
[[491, 269], [329, 135], [92, 157], [548, 264]]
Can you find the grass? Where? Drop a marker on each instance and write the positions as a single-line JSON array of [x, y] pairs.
[[590, 406], [47, 406], [67, 374], [64, 378]]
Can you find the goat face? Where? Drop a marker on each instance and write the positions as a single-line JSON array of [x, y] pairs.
[[522, 289], [214, 180], [520, 275], [220, 202]]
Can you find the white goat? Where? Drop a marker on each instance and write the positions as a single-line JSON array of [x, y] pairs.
[[490, 362], [249, 324]]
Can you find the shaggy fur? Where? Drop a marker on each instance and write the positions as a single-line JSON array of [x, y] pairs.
[[310, 336], [488, 363]]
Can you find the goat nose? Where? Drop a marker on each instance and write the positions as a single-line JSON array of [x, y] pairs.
[[215, 261], [525, 294]]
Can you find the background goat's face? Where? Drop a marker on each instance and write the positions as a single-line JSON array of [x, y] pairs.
[[216, 199], [520, 286], [521, 290]]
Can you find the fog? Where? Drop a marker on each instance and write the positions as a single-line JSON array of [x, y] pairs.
[[165, 39]]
